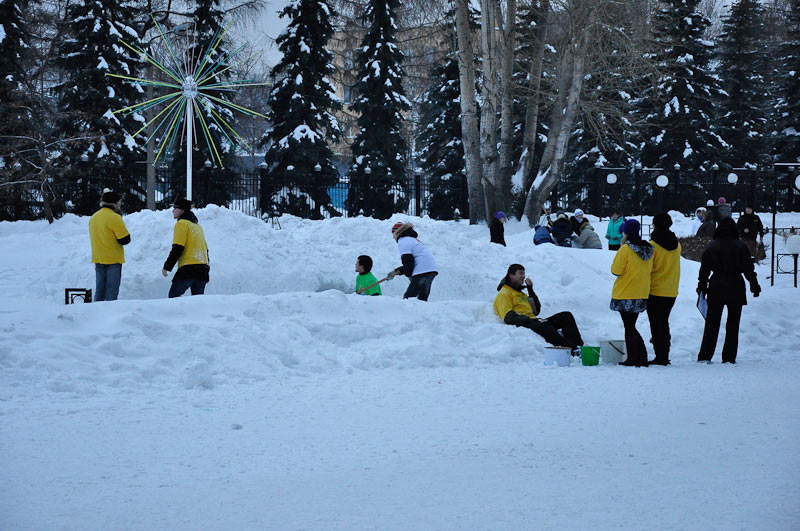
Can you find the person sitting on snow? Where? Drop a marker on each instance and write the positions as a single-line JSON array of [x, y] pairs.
[[576, 220], [516, 308], [588, 238], [418, 262], [562, 230], [541, 235]]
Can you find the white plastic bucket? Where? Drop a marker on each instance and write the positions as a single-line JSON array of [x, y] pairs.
[[560, 356], [612, 350]]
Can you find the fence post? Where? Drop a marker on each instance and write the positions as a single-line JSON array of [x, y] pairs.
[[417, 191]]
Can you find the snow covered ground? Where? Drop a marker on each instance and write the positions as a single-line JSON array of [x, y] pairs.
[[281, 400]]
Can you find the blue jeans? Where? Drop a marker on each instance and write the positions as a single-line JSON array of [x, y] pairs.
[[179, 287], [420, 286], [106, 281]]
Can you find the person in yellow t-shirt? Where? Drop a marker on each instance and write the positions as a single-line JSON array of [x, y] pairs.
[[632, 266], [664, 280], [108, 233], [189, 251]]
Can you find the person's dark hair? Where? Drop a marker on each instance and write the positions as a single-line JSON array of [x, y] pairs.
[[366, 263], [513, 268]]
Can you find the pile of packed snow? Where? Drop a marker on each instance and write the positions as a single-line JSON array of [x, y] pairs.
[[281, 399]]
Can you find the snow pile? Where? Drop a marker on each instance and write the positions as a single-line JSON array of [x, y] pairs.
[[282, 400]]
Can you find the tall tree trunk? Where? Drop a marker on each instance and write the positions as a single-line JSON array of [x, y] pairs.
[[469, 114], [565, 113], [534, 97], [506, 108], [488, 136]]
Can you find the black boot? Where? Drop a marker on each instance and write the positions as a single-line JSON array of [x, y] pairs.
[[637, 352]]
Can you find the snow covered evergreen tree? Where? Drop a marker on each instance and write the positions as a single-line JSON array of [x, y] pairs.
[[742, 109], [787, 141], [17, 161], [441, 156], [377, 174], [679, 109], [298, 155], [98, 143]]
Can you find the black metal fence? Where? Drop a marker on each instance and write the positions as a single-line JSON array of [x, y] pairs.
[[637, 190]]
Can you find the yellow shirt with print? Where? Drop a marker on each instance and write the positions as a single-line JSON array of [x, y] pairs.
[[190, 236], [509, 299], [105, 228], [666, 271], [633, 275]]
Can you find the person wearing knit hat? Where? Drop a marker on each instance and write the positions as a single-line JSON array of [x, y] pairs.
[[664, 279], [632, 266], [108, 234], [189, 251], [725, 260], [576, 220], [722, 211], [418, 262], [496, 231]]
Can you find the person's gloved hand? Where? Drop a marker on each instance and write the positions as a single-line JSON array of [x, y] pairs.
[[391, 274], [755, 290], [164, 272]]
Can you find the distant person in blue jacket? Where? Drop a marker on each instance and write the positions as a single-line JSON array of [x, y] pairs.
[[542, 235]]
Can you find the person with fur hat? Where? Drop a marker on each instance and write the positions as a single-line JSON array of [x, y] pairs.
[[496, 231], [516, 308], [725, 260], [189, 251], [108, 234], [562, 230], [576, 220], [664, 280], [418, 262], [632, 266], [588, 238]]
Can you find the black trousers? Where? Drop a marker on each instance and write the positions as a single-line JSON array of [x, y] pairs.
[[711, 332], [658, 310], [420, 286], [634, 344], [559, 330]]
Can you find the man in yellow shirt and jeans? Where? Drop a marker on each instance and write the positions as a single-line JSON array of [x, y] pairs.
[[189, 251], [108, 234]]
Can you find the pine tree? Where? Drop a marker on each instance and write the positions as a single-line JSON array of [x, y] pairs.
[[99, 143], [298, 153], [17, 161], [377, 174], [742, 108], [680, 109], [442, 153], [787, 141]]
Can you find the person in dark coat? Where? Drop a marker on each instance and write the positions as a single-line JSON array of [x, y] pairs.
[[576, 220], [542, 235], [723, 210], [750, 228], [562, 230], [725, 259], [496, 231]]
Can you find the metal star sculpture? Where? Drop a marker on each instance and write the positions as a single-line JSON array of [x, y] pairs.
[[191, 79]]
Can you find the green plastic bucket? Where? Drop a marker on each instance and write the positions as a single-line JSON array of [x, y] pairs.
[[590, 355]]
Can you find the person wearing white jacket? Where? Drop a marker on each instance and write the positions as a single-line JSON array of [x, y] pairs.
[[418, 262]]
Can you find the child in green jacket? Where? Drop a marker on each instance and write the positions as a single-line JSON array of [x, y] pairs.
[[613, 234], [365, 277]]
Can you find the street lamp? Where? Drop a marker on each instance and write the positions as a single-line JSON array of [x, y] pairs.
[[676, 166], [368, 170], [733, 178], [715, 166], [611, 178], [317, 167], [662, 181], [207, 163]]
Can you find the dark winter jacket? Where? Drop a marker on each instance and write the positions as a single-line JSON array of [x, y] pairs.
[[726, 259], [665, 238], [542, 235], [706, 230], [576, 225], [562, 230], [496, 232], [750, 226], [722, 211]]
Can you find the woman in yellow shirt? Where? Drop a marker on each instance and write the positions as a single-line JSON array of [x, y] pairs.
[[632, 266]]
